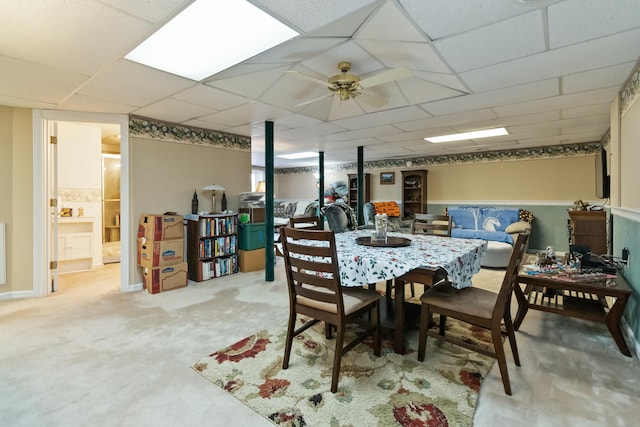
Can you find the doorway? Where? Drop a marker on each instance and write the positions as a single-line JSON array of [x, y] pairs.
[[45, 279]]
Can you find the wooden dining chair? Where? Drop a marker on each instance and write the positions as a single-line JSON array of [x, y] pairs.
[[433, 224], [315, 291], [437, 225], [479, 307], [306, 222]]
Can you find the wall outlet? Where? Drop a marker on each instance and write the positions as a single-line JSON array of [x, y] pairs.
[[626, 257]]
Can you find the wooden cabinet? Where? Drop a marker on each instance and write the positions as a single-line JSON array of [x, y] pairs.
[[75, 244], [353, 189], [414, 192], [212, 245], [589, 228]]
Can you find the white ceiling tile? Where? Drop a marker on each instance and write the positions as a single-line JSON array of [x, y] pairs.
[[241, 69], [583, 122], [12, 101], [309, 15], [441, 18], [604, 52], [66, 39], [603, 77], [330, 107], [538, 118], [403, 137], [574, 21], [172, 109], [155, 11], [447, 120], [250, 85], [503, 41], [246, 114], [134, 84], [416, 56], [326, 63], [78, 102], [39, 83], [244, 130], [558, 102], [419, 91], [362, 133], [448, 80], [313, 130], [297, 50], [290, 90], [210, 97], [389, 23], [345, 26], [525, 92], [589, 110], [207, 124], [383, 118]]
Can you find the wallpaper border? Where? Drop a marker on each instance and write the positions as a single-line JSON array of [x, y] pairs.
[[630, 91], [143, 127], [555, 151]]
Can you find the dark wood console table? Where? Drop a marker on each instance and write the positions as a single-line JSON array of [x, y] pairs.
[[575, 298]]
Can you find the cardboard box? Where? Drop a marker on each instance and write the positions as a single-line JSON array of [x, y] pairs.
[[255, 214], [252, 236], [251, 260], [160, 279], [158, 253], [160, 227]]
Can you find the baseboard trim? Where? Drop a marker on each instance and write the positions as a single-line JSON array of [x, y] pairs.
[[17, 295]]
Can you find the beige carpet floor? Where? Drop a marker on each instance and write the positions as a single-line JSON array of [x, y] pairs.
[[92, 355]]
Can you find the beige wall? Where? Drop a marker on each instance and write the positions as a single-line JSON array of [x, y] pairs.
[[164, 176], [16, 184], [629, 158], [558, 179]]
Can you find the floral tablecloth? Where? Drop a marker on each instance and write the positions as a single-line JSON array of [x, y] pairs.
[[361, 265]]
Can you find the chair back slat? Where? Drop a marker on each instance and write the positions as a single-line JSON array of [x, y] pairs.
[[312, 267], [437, 225], [510, 277], [305, 222]]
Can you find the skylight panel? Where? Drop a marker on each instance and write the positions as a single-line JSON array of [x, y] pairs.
[[210, 36]]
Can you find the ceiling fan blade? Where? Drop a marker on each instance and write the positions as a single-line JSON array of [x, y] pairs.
[[314, 100], [307, 77], [372, 100], [385, 77]]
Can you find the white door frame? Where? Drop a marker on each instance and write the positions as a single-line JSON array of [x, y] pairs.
[[41, 213]]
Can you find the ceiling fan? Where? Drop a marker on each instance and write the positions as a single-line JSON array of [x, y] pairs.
[[348, 86]]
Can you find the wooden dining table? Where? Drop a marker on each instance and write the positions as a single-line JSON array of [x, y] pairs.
[[426, 259]]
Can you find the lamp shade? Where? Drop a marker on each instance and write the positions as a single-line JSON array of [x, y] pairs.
[[213, 187], [261, 187]]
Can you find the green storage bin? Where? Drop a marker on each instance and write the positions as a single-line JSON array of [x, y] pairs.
[[252, 236]]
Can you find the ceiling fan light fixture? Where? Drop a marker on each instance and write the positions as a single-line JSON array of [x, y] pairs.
[[486, 133]]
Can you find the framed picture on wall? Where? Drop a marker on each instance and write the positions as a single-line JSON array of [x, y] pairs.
[[387, 178]]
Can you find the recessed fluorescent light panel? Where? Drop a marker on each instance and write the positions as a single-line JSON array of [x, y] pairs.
[[468, 135], [303, 155], [210, 36]]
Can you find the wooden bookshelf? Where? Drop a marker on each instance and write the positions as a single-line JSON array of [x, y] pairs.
[[212, 245]]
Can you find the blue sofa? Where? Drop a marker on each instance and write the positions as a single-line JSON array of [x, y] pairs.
[[498, 226]]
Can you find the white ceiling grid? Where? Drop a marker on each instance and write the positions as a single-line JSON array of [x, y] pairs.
[[547, 70]]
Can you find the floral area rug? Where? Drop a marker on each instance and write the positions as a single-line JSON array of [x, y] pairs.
[[390, 390]]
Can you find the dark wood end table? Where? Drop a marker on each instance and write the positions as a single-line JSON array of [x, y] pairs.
[[580, 298]]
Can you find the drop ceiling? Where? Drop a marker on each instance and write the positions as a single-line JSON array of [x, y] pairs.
[[545, 70]]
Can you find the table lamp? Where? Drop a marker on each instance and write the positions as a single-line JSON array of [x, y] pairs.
[[213, 188]]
